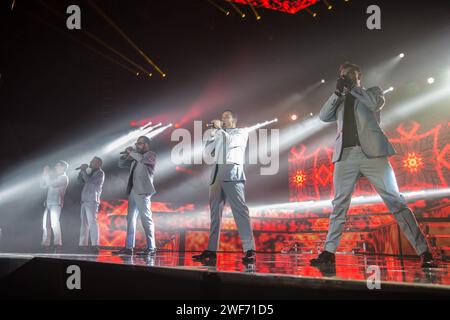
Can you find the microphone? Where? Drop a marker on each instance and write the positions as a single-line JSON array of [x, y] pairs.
[[211, 125], [125, 151]]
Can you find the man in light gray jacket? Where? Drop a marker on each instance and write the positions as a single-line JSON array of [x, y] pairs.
[[90, 202], [227, 145], [362, 149], [141, 162], [56, 184]]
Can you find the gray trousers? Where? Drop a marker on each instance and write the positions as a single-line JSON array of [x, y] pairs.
[[353, 165], [234, 192], [140, 205], [89, 223], [51, 223]]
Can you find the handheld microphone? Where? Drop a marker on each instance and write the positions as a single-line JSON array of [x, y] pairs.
[[211, 125]]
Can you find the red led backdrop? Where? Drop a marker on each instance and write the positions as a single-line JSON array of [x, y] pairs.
[[423, 162], [289, 6]]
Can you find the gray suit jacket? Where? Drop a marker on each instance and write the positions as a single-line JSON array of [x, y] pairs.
[[93, 184], [234, 143], [56, 186], [368, 105], [144, 168]]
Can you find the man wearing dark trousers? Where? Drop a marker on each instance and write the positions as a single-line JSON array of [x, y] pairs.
[[141, 162], [362, 149]]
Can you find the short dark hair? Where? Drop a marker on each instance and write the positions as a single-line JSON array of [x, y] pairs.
[[145, 138], [349, 65], [233, 114]]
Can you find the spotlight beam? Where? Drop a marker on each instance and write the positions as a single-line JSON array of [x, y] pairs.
[[257, 16], [236, 8], [39, 19], [131, 136], [122, 33], [219, 7], [98, 40], [260, 125], [362, 200]]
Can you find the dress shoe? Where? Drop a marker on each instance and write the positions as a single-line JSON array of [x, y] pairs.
[[147, 252], [323, 259], [123, 251], [428, 260], [250, 257], [205, 255]]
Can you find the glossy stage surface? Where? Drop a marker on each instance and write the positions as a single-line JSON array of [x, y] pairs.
[[348, 268]]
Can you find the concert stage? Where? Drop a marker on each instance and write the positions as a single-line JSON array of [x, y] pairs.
[[174, 275]]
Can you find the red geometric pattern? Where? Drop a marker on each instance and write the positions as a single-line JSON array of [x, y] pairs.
[[289, 6], [422, 162]]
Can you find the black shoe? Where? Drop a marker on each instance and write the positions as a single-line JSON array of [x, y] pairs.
[[147, 252], [205, 255], [94, 250], [428, 260], [250, 257], [124, 251], [323, 258]]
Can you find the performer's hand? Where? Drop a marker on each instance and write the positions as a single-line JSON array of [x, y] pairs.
[[129, 150], [348, 82], [340, 86], [217, 124], [84, 167]]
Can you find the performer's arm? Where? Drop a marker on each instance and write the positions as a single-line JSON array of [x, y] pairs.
[[238, 139], [328, 111], [82, 177], [125, 162], [210, 144], [372, 98], [148, 159], [96, 179]]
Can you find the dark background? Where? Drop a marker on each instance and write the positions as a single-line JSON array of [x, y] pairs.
[[55, 93]]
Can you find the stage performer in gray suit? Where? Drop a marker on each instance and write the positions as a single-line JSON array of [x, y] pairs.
[[141, 162], [227, 145], [362, 149]]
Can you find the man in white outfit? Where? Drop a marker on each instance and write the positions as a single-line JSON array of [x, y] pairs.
[[90, 202], [227, 145], [56, 184]]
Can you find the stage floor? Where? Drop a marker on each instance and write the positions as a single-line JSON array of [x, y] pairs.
[[349, 267]]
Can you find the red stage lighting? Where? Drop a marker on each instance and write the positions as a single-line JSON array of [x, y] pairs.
[[289, 6]]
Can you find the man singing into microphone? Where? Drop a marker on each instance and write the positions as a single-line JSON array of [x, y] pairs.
[[227, 145], [362, 149], [90, 202], [140, 190], [56, 183]]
